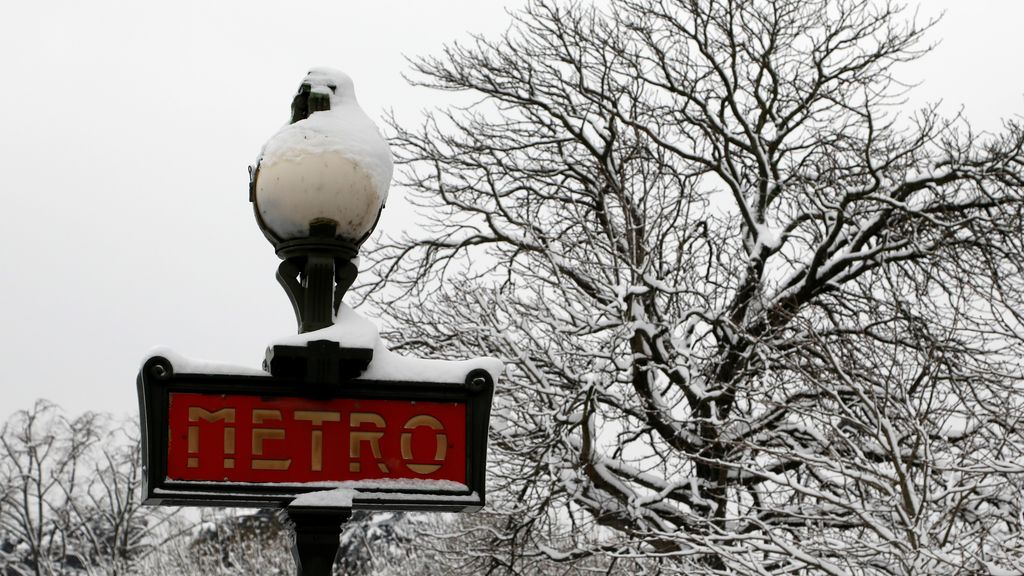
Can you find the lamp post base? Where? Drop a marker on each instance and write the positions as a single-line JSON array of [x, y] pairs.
[[317, 537], [319, 361]]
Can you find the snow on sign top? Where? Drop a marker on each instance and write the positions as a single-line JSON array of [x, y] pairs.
[[187, 365], [350, 330], [332, 164]]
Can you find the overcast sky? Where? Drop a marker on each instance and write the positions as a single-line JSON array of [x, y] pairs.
[[128, 126]]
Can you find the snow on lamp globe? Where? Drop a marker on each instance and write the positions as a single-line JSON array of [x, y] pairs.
[[317, 190]]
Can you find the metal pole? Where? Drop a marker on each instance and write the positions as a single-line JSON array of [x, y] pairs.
[[316, 537], [315, 274]]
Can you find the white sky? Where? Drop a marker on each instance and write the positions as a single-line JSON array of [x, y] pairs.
[[128, 126]]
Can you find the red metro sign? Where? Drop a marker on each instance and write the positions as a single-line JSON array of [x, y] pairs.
[[236, 440]]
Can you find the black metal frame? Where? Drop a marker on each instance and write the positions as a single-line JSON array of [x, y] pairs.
[[158, 379]]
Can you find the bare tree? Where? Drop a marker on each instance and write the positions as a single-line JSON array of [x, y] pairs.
[[42, 454], [759, 318], [116, 532], [70, 491]]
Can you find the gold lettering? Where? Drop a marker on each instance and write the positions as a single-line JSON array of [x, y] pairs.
[[193, 438], [260, 435], [357, 438], [316, 448], [195, 414], [259, 416], [229, 447], [317, 417], [270, 464], [440, 439]]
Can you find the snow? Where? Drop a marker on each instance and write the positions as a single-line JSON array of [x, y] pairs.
[[357, 485], [933, 172], [343, 497], [352, 330], [337, 498], [387, 365], [185, 365], [767, 237], [341, 494], [471, 498], [334, 164], [995, 570]]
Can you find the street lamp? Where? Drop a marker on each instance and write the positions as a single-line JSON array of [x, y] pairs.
[[317, 190]]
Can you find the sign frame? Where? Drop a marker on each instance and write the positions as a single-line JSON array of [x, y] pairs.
[[158, 379]]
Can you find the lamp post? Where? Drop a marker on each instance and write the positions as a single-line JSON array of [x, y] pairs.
[[317, 191]]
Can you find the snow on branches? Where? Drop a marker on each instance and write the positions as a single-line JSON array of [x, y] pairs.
[[759, 319]]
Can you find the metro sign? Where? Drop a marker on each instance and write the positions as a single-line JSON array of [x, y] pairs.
[[236, 438], [258, 441]]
